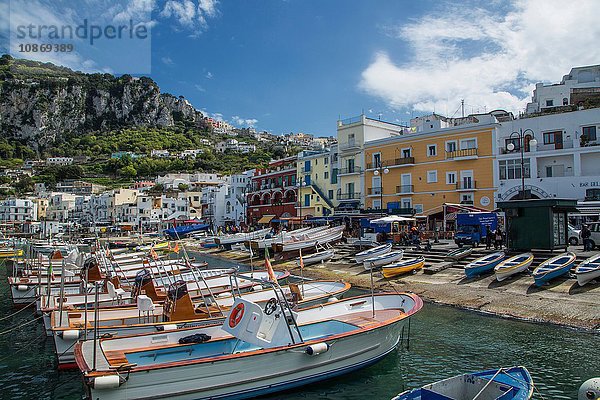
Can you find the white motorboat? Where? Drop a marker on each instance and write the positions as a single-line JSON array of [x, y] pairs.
[[316, 257], [184, 312], [383, 259], [258, 350], [319, 238], [588, 270], [374, 252], [228, 240]]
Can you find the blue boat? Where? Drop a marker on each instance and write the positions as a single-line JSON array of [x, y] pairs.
[[484, 264], [182, 231], [513, 383], [553, 268]]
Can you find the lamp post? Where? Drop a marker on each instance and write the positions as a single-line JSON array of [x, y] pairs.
[[521, 135], [301, 184], [380, 171]]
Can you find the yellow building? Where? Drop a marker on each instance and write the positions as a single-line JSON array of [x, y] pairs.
[[439, 161], [317, 180]]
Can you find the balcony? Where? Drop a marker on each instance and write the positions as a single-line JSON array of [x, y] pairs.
[[350, 145], [373, 191], [405, 189], [349, 196], [349, 171], [304, 169], [397, 162], [466, 185], [464, 154], [567, 144]]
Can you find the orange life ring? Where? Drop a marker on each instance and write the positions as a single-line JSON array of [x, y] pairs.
[[236, 315]]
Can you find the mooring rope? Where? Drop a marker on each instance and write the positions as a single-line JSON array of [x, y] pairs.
[[21, 325]]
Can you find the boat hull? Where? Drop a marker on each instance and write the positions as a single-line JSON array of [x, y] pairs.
[[542, 279], [477, 268], [409, 267], [510, 267], [247, 377], [371, 253], [585, 277]]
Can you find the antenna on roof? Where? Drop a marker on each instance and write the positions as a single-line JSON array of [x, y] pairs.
[[462, 107]]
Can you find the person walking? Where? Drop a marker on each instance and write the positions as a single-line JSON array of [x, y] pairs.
[[499, 238], [585, 235], [488, 238]]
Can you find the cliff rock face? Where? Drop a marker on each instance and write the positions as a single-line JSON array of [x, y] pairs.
[[38, 110]]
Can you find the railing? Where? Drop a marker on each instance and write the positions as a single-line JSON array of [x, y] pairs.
[[352, 170], [461, 153], [304, 169], [391, 163], [404, 189], [566, 144], [373, 190], [351, 120], [349, 145], [565, 173], [466, 185], [348, 196]]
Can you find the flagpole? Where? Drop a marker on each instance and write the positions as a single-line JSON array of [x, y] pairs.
[[302, 271]]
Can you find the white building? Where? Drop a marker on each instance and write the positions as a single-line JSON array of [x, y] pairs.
[[194, 181], [235, 198], [59, 161], [15, 210], [570, 91], [160, 154], [60, 207], [564, 163]]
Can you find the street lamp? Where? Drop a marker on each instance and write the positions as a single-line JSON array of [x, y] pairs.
[[521, 135], [301, 184], [380, 171]]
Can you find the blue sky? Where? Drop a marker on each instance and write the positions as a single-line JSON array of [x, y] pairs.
[[297, 65]]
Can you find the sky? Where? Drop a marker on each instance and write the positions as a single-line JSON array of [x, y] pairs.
[[300, 65]]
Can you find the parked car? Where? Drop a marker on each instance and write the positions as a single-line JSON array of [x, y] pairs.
[[595, 229], [574, 235]]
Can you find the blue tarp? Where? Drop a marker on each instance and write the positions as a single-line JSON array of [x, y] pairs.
[[184, 230]]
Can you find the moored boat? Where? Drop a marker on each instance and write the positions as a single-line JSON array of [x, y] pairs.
[[403, 266], [384, 259], [254, 352], [513, 265], [484, 264], [316, 257], [9, 253], [513, 383], [458, 254], [553, 268], [319, 238], [588, 270], [374, 252]]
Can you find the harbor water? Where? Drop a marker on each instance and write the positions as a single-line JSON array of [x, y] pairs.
[[443, 342]]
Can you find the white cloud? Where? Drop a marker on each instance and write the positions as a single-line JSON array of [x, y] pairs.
[[209, 75], [192, 15], [167, 60], [243, 122], [490, 60], [199, 88]]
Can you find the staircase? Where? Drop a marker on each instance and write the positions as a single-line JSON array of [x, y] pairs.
[[317, 189]]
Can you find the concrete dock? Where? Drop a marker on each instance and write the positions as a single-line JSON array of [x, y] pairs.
[[562, 301]]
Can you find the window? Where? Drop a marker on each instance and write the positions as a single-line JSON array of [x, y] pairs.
[[334, 176], [326, 175], [552, 137], [431, 176], [451, 146], [377, 204], [565, 101], [468, 144], [406, 153], [451, 178], [431, 150], [406, 203], [376, 160], [555, 170], [515, 141], [588, 133], [466, 198], [330, 194], [418, 208], [511, 169], [549, 103], [326, 160]]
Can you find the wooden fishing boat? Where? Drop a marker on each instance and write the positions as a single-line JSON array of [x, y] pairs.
[[257, 351], [458, 254], [484, 264], [554, 267], [402, 267], [228, 240], [295, 235], [374, 252], [384, 259], [588, 270], [324, 237], [513, 383], [316, 257], [513, 265], [179, 311]]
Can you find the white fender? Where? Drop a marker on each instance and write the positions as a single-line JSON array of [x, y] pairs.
[[71, 334], [170, 327], [332, 299], [590, 390], [106, 382], [22, 288], [316, 349]]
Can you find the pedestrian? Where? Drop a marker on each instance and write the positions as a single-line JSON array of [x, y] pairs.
[[499, 238], [488, 238], [585, 235]]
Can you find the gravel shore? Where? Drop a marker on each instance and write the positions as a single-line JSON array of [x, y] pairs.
[[562, 302]]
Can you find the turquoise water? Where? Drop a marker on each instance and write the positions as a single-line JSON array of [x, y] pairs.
[[444, 342]]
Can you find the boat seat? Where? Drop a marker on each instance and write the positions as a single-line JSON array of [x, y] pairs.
[[115, 293]]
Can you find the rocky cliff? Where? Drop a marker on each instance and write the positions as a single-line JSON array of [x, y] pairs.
[[39, 103]]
